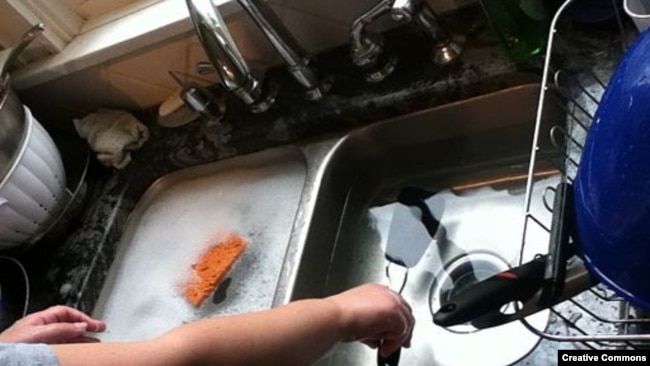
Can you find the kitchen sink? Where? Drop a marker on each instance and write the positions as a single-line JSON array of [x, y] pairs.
[[317, 215], [474, 155]]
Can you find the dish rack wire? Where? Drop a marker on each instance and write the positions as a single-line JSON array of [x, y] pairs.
[[597, 318]]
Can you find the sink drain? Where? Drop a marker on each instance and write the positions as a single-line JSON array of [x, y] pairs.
[[460, 274]]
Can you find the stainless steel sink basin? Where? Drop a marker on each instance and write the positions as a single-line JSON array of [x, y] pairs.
[[317, 215], [475, 153], [180, 217]]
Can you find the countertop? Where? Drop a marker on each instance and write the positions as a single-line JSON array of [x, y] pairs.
[[71, 270]]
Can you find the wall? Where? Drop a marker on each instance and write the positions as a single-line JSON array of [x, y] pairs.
[[141, 79]]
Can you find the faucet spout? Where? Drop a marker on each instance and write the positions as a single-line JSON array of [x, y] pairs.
[[224, 55], [298, 62]]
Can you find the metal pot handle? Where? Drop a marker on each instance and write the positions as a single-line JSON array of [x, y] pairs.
[[25, 40]]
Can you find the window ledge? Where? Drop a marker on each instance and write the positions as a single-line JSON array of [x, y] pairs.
[[137, 30]]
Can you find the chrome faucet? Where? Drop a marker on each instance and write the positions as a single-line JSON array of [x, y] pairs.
[[445, 48], [367, 49], [298, 62], [225, 57]]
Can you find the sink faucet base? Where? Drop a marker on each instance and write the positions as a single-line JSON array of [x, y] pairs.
[[225, 57], [368, 52], [296, 58], [446, 48]]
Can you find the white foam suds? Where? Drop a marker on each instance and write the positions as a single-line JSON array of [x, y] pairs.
[[177, 222]]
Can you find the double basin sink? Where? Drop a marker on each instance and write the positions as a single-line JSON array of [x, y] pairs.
[[315, 216]]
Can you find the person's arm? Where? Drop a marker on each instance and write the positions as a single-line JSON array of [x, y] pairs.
[[57, 324], [295, 334]]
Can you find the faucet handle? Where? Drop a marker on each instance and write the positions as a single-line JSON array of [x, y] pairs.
[[367, 50], [200, 98], [266, 95], [204, 102], [370, 56], [402, 10], [205, 68], [446, 48]]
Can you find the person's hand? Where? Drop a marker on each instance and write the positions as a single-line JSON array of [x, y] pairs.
[[377, 316], [57, 324]]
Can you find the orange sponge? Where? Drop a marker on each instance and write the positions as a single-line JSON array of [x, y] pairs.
[[212, 267]]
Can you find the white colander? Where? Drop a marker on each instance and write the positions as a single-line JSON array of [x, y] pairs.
[[33, 192]]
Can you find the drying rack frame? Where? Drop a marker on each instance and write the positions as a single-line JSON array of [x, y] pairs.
[[581, 94]]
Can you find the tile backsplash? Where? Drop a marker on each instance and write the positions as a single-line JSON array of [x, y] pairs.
[[141, 79]]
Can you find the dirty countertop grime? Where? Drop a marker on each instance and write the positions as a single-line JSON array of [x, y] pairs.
[[73, 270]]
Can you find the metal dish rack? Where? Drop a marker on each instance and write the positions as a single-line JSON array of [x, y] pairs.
[[597, 318]]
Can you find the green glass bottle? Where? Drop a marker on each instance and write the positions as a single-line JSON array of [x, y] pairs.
[[522, 26]]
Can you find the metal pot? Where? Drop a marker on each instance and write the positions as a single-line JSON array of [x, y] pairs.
[[12, 127], [12, 115], [33, 187]]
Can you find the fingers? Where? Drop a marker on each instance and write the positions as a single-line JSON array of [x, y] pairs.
[[401, 330], [372, 343], [65, 314], [59, 332], [84, 339], [388, 347], [373, 313], [411, 323], [406, 313], [398, 337]]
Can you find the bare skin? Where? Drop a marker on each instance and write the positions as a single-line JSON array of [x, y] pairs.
[[58, 324], [298, 333]]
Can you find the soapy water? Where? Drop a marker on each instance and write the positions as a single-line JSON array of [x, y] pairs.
[[177, 222]]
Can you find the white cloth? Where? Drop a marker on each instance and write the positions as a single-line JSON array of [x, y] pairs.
[[112, 134]]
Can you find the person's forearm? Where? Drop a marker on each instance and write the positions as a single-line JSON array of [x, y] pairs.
[[294, 334]]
